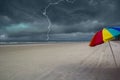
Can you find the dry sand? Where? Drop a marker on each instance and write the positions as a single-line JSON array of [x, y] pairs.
[[59, 61]]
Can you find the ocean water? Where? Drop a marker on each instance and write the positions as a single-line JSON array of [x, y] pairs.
[[38, 42]]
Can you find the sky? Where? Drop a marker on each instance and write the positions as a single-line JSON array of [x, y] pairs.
[[56, 20]]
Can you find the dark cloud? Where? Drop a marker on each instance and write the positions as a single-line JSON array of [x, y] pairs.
[[24, 19]]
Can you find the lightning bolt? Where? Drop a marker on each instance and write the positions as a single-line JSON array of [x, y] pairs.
[[47, 17]]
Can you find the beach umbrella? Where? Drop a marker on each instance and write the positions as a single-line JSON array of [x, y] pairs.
[[105, 35]]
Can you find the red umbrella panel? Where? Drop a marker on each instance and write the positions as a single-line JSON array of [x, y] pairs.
[[97, 39]]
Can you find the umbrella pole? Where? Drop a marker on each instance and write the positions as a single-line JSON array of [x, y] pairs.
[[113, 55]]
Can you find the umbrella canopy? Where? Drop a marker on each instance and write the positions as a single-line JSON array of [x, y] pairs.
[[105, 35]]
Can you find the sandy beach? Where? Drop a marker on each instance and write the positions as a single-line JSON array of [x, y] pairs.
[[59, 61]]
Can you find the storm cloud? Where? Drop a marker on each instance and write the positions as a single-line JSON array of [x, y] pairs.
[[70, 19]]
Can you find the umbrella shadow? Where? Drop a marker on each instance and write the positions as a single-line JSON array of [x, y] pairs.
[[106, 73]]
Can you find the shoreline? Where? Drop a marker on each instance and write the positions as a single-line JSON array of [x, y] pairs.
[[35, 43]]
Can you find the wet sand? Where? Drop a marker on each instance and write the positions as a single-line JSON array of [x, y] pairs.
[[59, 61]]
